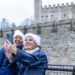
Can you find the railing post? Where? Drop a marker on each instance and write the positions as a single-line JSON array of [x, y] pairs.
[[73, 72]]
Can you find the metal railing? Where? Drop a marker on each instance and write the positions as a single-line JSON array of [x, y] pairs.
[[60, 69]]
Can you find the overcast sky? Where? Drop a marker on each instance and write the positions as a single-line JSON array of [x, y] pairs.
[[18, 10]]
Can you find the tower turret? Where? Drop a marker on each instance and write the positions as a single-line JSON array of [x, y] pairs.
[[37, 10]]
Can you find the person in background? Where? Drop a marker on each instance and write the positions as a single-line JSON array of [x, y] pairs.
[[33, 61], [18, 41]]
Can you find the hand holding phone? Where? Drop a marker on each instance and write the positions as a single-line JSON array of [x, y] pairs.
[[9, 37]]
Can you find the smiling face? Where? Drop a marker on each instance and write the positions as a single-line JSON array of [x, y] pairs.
[[18, 40], [29, 43]]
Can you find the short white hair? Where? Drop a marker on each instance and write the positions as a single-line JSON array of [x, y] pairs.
[[18, 33], [35, 38]]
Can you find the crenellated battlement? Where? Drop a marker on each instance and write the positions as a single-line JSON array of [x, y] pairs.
[[58, 5]]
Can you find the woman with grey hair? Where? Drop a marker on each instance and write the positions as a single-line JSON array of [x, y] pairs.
[[33, 60], [18, 41]]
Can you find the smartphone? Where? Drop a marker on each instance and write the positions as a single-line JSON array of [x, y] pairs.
[[9, 37]]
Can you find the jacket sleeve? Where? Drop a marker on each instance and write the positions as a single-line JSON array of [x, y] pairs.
[[37, 59], [1, 56]]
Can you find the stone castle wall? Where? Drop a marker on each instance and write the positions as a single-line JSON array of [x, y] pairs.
[[58, 40]]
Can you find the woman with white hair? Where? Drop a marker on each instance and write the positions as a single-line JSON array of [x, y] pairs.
[[33, 60], [18, 41]]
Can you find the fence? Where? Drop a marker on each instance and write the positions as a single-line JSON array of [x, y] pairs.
[[60, 69]]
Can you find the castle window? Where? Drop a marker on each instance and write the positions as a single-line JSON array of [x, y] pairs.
[[46, 16], [64, 15], [42, 16], [52, 15]]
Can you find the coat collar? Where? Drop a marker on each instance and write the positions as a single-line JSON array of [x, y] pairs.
[[32, 51]]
